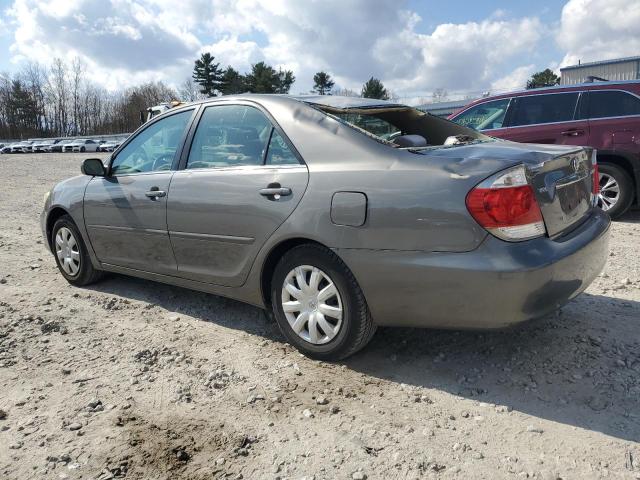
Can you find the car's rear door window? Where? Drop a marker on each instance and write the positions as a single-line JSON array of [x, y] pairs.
[[540, 109], [485, 116], [279, 152], [603, 104], [230, 136]]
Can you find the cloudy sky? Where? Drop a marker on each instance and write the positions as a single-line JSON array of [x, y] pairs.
[[413, 46]]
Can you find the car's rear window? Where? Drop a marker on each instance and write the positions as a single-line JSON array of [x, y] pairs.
[[613, 104], [369, 123], [390, 124]]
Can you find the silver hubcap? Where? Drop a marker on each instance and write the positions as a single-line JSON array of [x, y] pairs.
[[609, 192], [312, 304], [67, 251]]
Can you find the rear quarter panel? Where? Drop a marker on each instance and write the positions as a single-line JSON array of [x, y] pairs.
[[414, 202]]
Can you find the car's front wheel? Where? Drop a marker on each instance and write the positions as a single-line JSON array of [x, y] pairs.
[[318, 304], [71, 253], [616, 189]]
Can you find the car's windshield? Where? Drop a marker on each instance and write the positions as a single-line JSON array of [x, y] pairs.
[[395, 123]]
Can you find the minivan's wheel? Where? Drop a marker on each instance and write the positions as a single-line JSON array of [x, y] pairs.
[[318, 304], [616, 189], [71, 253]]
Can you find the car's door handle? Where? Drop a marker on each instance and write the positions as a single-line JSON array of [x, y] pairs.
[[572, 133], [155, 192], [275, 191]]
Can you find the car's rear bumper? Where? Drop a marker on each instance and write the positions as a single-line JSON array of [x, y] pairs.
[[494, 286]]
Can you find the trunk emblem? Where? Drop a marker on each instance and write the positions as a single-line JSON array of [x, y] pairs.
[[575, 164]]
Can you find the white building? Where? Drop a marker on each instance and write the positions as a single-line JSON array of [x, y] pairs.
[[617, 69]]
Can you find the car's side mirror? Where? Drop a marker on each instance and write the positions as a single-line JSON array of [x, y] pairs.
[[93, 167]]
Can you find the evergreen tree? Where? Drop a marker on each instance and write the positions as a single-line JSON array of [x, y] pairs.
[[283, 81], [264, 79], [207, 74], [232, 82], [323, 83], [374, 88], [545, 78], [22, 111]]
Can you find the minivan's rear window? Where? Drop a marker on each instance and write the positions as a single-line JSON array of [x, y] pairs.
[[535, 109], [613, 104]]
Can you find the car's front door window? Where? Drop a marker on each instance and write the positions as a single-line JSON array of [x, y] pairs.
[[152, 149], [486, 116]]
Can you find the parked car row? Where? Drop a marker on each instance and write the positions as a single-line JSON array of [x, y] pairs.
[[602, 115], [64, 145]]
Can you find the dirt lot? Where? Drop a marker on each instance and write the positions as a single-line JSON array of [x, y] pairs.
[[133, 379]]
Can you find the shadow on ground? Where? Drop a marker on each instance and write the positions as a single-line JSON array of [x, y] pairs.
[[632, 216], [580, 366]]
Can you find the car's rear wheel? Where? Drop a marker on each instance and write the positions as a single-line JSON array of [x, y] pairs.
[[318, 304], [71, 253], [616, 189]]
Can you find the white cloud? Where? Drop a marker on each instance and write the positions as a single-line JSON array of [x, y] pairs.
[[127, 41], [516, 80], [120, 41], [593, 30]]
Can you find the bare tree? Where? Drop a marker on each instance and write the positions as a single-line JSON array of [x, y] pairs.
[[346, 92], [189, 91], [77, 74], [59, 96], [440, 95]]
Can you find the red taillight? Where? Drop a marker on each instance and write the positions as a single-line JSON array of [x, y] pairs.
[[506, 206], [596, 179], [503, 207]]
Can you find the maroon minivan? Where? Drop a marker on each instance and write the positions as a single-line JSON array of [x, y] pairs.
[[602, 115]]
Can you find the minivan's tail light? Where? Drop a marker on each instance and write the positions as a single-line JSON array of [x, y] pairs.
[[506, 206], [596, 175]]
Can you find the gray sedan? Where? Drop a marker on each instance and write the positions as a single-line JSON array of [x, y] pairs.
[[338, 215]]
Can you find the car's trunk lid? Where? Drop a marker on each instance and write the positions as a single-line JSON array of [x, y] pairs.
[[561, 176], [563, 186]]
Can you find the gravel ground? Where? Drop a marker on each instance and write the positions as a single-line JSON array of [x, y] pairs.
[[133, 379]]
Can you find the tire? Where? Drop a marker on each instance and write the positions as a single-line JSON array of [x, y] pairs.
[[81, 272], [344, 336], [82, 149], [625, 193]]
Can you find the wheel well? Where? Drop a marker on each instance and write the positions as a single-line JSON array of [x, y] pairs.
[[272, 259], [53, 217], [623, 163]]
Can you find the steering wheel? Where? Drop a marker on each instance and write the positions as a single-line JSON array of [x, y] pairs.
[[394, 135], [162, 161]]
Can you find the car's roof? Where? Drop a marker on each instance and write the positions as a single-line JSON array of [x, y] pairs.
[[598, 85], [609, 84], [333, 101], [573, 86], [337, 101]]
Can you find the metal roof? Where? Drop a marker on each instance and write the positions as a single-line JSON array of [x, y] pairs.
[[602, 62]]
